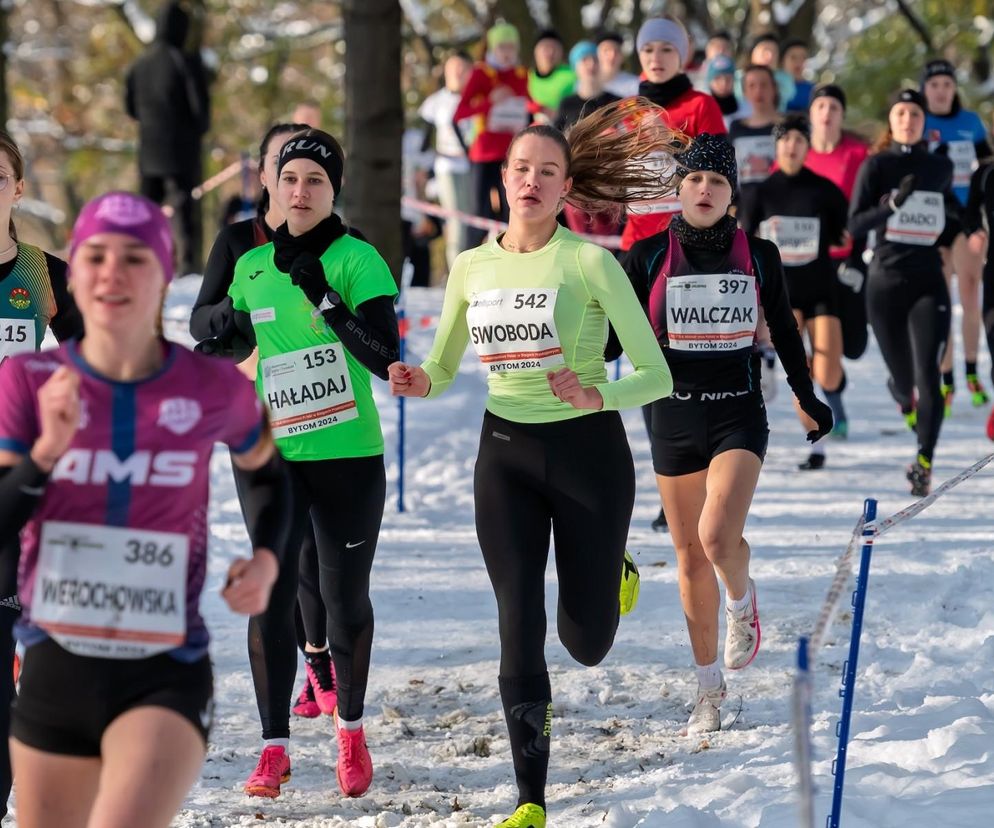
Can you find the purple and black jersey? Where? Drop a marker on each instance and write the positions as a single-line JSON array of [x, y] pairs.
[[140, 462]]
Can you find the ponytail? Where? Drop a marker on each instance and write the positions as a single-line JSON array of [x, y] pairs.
[[614, 155]]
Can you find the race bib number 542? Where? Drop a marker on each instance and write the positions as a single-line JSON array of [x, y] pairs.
[[514, 329], [109, 592]]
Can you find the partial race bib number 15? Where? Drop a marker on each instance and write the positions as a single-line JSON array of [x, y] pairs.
[[17, 336], [514, 329], [109, 592]]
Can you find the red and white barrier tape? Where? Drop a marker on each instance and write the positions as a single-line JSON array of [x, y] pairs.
[[877, 528], [492, 226], [217, 180]]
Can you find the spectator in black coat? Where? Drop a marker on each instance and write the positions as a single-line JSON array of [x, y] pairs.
[[167, 95]]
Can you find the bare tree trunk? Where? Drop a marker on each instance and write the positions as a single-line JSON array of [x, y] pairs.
[[566, 19], [374, 123]]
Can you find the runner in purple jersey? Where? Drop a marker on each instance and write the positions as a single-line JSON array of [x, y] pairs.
[[105, 450]]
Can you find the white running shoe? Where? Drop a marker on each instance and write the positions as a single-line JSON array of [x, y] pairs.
[[742, 633], [706, 716]]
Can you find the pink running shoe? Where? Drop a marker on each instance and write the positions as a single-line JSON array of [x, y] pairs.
[[306, 706], [321, 675], [273, 769], [355, 768]]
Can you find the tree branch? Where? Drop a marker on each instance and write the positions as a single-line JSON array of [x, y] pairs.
[[915, 22]]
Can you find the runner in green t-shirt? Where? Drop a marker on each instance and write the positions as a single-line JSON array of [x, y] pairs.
[[321, 305], [554, 457]]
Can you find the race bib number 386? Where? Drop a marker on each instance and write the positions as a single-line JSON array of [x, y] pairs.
[[514, 329], [109, 592], [308, 390], [711, 312]]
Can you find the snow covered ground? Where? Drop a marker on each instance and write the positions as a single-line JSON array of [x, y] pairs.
[[922, 750]]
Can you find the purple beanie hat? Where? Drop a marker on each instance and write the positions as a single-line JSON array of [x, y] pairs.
[[132, 215]]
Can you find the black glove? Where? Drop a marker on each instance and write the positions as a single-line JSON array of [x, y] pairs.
[[817, 411], [307, 273], [235, 347], [904, 189]]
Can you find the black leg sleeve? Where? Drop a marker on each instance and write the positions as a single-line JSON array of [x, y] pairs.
[[347, 498], [928, 328], [988, 311], [527, 702], [310, 605], [272, 638], [9, 613]]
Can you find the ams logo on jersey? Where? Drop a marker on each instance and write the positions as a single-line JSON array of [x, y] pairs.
[[142, 468]]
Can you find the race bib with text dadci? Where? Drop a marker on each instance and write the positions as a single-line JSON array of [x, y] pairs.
[[510, 115], [796, 238], [17, 336], [109, 592], [664, 165], [754, 156], [920, 220], [308, 390], [711, 312], [963, 154], [513, 329]]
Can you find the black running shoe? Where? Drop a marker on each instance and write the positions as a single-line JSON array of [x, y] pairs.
[[813, 463], [920, 477], [660, 524]]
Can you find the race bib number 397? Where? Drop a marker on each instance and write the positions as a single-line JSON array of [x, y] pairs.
[[514, 329], [109, 592], [711, 312]]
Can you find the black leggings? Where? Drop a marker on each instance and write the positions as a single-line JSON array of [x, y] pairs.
[[486, 177], [910, 318], [573, 480], [9, 557], [343, 500], [311, 619]]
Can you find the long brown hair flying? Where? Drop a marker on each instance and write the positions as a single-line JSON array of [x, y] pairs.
[[614, 155]]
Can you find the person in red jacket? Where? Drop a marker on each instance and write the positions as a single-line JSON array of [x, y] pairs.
[[663, 48], [497, 102]]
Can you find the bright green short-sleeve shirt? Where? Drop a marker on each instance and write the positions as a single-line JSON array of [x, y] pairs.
[[319, 396], [526, 314]]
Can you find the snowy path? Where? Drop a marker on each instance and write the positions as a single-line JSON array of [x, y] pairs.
[[923, 733]]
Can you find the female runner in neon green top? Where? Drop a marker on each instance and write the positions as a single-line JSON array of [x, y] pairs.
[[554, 457]]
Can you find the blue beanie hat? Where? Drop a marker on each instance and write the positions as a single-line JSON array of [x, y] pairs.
[[720, 65], [666, 30], [583, 49]]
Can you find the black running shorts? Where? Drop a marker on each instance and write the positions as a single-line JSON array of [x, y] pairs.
[[66, 701], [811, 296], [687, 434]]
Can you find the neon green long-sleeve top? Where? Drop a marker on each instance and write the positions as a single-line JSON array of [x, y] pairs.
[[531, 313]]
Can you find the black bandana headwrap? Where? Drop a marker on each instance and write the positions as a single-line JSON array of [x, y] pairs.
[[711, 153], [320, 148]]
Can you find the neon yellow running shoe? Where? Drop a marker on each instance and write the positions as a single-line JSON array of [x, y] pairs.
[[629, 593], [911, 419], [947, 397], [527, 816], [978, 395]]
